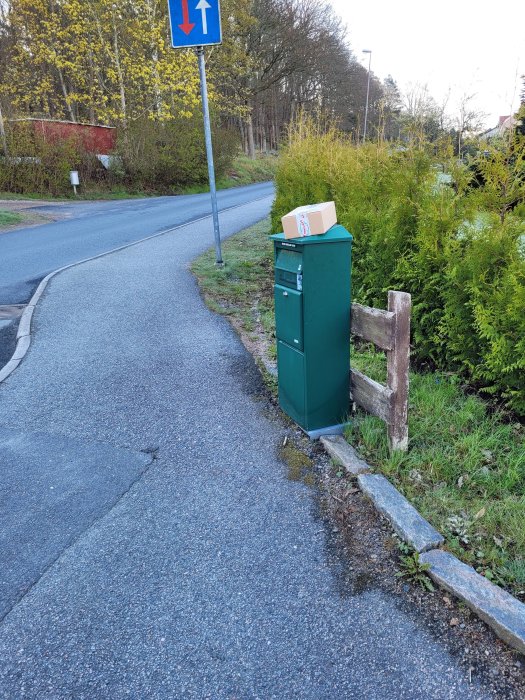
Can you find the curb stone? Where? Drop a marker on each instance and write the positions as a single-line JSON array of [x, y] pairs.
[[8, 369], [24, 327], [401, 514], [499, 609], [338, 448], [22, 347]]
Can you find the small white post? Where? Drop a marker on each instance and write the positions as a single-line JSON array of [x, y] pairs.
[[74, 179]]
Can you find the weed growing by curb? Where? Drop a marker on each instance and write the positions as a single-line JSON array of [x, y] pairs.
[[413, 570]]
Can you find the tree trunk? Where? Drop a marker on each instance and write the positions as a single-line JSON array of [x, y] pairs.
[[156, 85], [2, 133], [120, 74], [151, 9], [91, 88], [251, 139], [264, 145], [243, 135], [69, 106]]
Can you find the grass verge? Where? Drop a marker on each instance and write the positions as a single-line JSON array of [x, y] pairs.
[[244, 171], [242, 289], [87, 195], [465, 470], [9, 218]]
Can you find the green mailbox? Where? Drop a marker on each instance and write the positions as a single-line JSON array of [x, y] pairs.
[[312, 326]]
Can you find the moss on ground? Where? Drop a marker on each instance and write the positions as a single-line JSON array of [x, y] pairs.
[[300, 466]]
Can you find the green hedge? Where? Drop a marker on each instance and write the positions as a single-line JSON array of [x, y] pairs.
[[457, 249]]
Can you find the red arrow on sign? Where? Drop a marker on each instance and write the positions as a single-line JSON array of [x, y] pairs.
[[186, 25]]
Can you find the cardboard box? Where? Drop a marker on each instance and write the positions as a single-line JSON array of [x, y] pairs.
[[312, 220]]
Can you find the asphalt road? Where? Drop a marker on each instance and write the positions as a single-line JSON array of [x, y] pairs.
[[203, 572], [90, 228]]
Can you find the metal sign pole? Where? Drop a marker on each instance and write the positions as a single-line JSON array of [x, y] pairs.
[[209, 153]]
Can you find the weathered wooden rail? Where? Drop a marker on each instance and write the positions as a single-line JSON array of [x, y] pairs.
[[390, 331]]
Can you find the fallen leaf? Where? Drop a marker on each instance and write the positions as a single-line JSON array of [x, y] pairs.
[[480, 514]]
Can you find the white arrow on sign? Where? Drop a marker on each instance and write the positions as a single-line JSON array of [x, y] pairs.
[[203, 6]]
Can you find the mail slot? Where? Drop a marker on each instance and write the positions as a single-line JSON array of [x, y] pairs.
[[289, 269], [312, 325]]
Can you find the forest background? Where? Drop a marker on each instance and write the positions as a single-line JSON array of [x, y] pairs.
[[112, 64]]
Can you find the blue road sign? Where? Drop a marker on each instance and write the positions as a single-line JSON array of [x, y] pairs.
[[195, 23]]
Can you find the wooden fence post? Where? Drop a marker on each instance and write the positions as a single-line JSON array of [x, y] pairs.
[[398, 363]]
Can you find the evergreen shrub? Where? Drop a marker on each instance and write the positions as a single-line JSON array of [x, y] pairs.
[[458, 250]]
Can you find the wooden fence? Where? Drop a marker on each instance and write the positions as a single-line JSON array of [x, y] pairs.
[[390, 331]]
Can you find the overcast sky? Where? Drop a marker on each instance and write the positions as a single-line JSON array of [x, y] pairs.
[[460, 46]]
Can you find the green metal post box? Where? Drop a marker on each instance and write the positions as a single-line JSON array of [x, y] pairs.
[[312, 324]]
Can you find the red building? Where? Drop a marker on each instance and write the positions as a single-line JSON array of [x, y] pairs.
[[100, 140]]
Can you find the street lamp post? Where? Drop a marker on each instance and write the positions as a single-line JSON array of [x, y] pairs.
[[367, 90]]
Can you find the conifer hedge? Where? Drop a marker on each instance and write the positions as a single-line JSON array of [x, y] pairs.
[[455, 241]]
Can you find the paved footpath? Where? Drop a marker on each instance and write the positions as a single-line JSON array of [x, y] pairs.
[[155, 548]]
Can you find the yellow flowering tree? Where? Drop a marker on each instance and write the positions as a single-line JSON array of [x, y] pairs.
[[97, 60]]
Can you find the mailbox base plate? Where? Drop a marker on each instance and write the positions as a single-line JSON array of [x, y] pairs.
[[330, 430]]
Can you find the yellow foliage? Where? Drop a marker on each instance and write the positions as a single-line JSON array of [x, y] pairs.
[[98, 61]]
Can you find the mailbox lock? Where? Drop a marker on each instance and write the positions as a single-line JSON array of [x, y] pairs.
[[285, 294]]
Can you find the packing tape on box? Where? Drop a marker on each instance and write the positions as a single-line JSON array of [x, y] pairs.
[[303, 224]]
